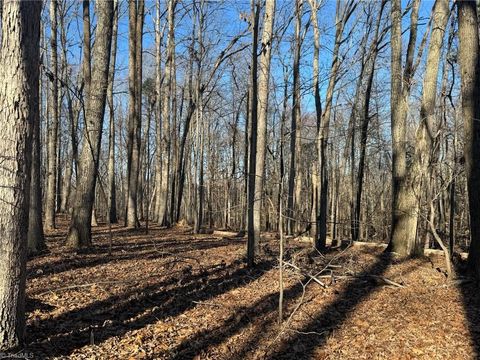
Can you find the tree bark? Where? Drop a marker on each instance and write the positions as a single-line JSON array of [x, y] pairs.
[[470, 87], [365, 120], [112, 202], [19, 94], [36, 238], [294, 131], [252, 247], [51, 191], [318, 113], [166, 116], [261, 130], [409, 178], [342, 17], [136, 17], [79, 234]]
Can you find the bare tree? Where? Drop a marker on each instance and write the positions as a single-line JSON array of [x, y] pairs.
[[469, 56], [343, 14], [136, 18], [408, 177], [294, 130], [79, 234], [51, 190], [112, 203], [261, 129], [19, 74], [166, 115]]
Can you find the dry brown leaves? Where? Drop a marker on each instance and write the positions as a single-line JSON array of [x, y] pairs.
[[173, 295]]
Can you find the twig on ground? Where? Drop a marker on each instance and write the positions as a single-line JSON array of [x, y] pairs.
[[313, 277]]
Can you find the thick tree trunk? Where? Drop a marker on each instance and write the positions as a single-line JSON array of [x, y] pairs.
[[51, 191], [469, 56], [79, 234], [409, 184], [404, 221], [19, 76]]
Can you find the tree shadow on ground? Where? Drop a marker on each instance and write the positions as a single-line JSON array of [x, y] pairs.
[[314, 334], [136, 308], [259, 312], [471, 303], [152, 249]]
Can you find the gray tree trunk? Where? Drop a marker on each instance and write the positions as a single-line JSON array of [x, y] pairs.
[[51, 191], [136, 17], [19, 76], [294, 131], [408, 179], [166, 116], [261, 128], [112, 202], [79, 234], [469, 56]]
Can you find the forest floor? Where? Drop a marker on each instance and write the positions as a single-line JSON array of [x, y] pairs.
[[174, 295]]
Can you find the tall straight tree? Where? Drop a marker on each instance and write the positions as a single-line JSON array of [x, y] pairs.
[[166, 116], [251, 127], [112, 203], [136, 17], [365, 120], [469, 56], [318, 107], [36, 236], [158, 109], [343, 14], [261, 129], [401, 231], [19, 95], [79, 234], [51, 191], [294, 130]]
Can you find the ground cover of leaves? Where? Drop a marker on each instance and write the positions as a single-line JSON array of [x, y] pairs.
[[174, 295]]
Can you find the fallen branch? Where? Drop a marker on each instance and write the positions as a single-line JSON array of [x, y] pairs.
[[313, 277], [384, 280]]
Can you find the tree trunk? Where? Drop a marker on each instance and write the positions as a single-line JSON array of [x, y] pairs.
[[158, 111], [79, 234], [19, 75], [409, 178], [365, 120], [470, 86], [36, 239], [318, 113], [136, 17], [261, 128], [51, 191], [253, 236], [166, 116], [112, 202], [294, 132], [322, 134]]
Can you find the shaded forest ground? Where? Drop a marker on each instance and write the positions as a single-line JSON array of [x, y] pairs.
[[174, 295]]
